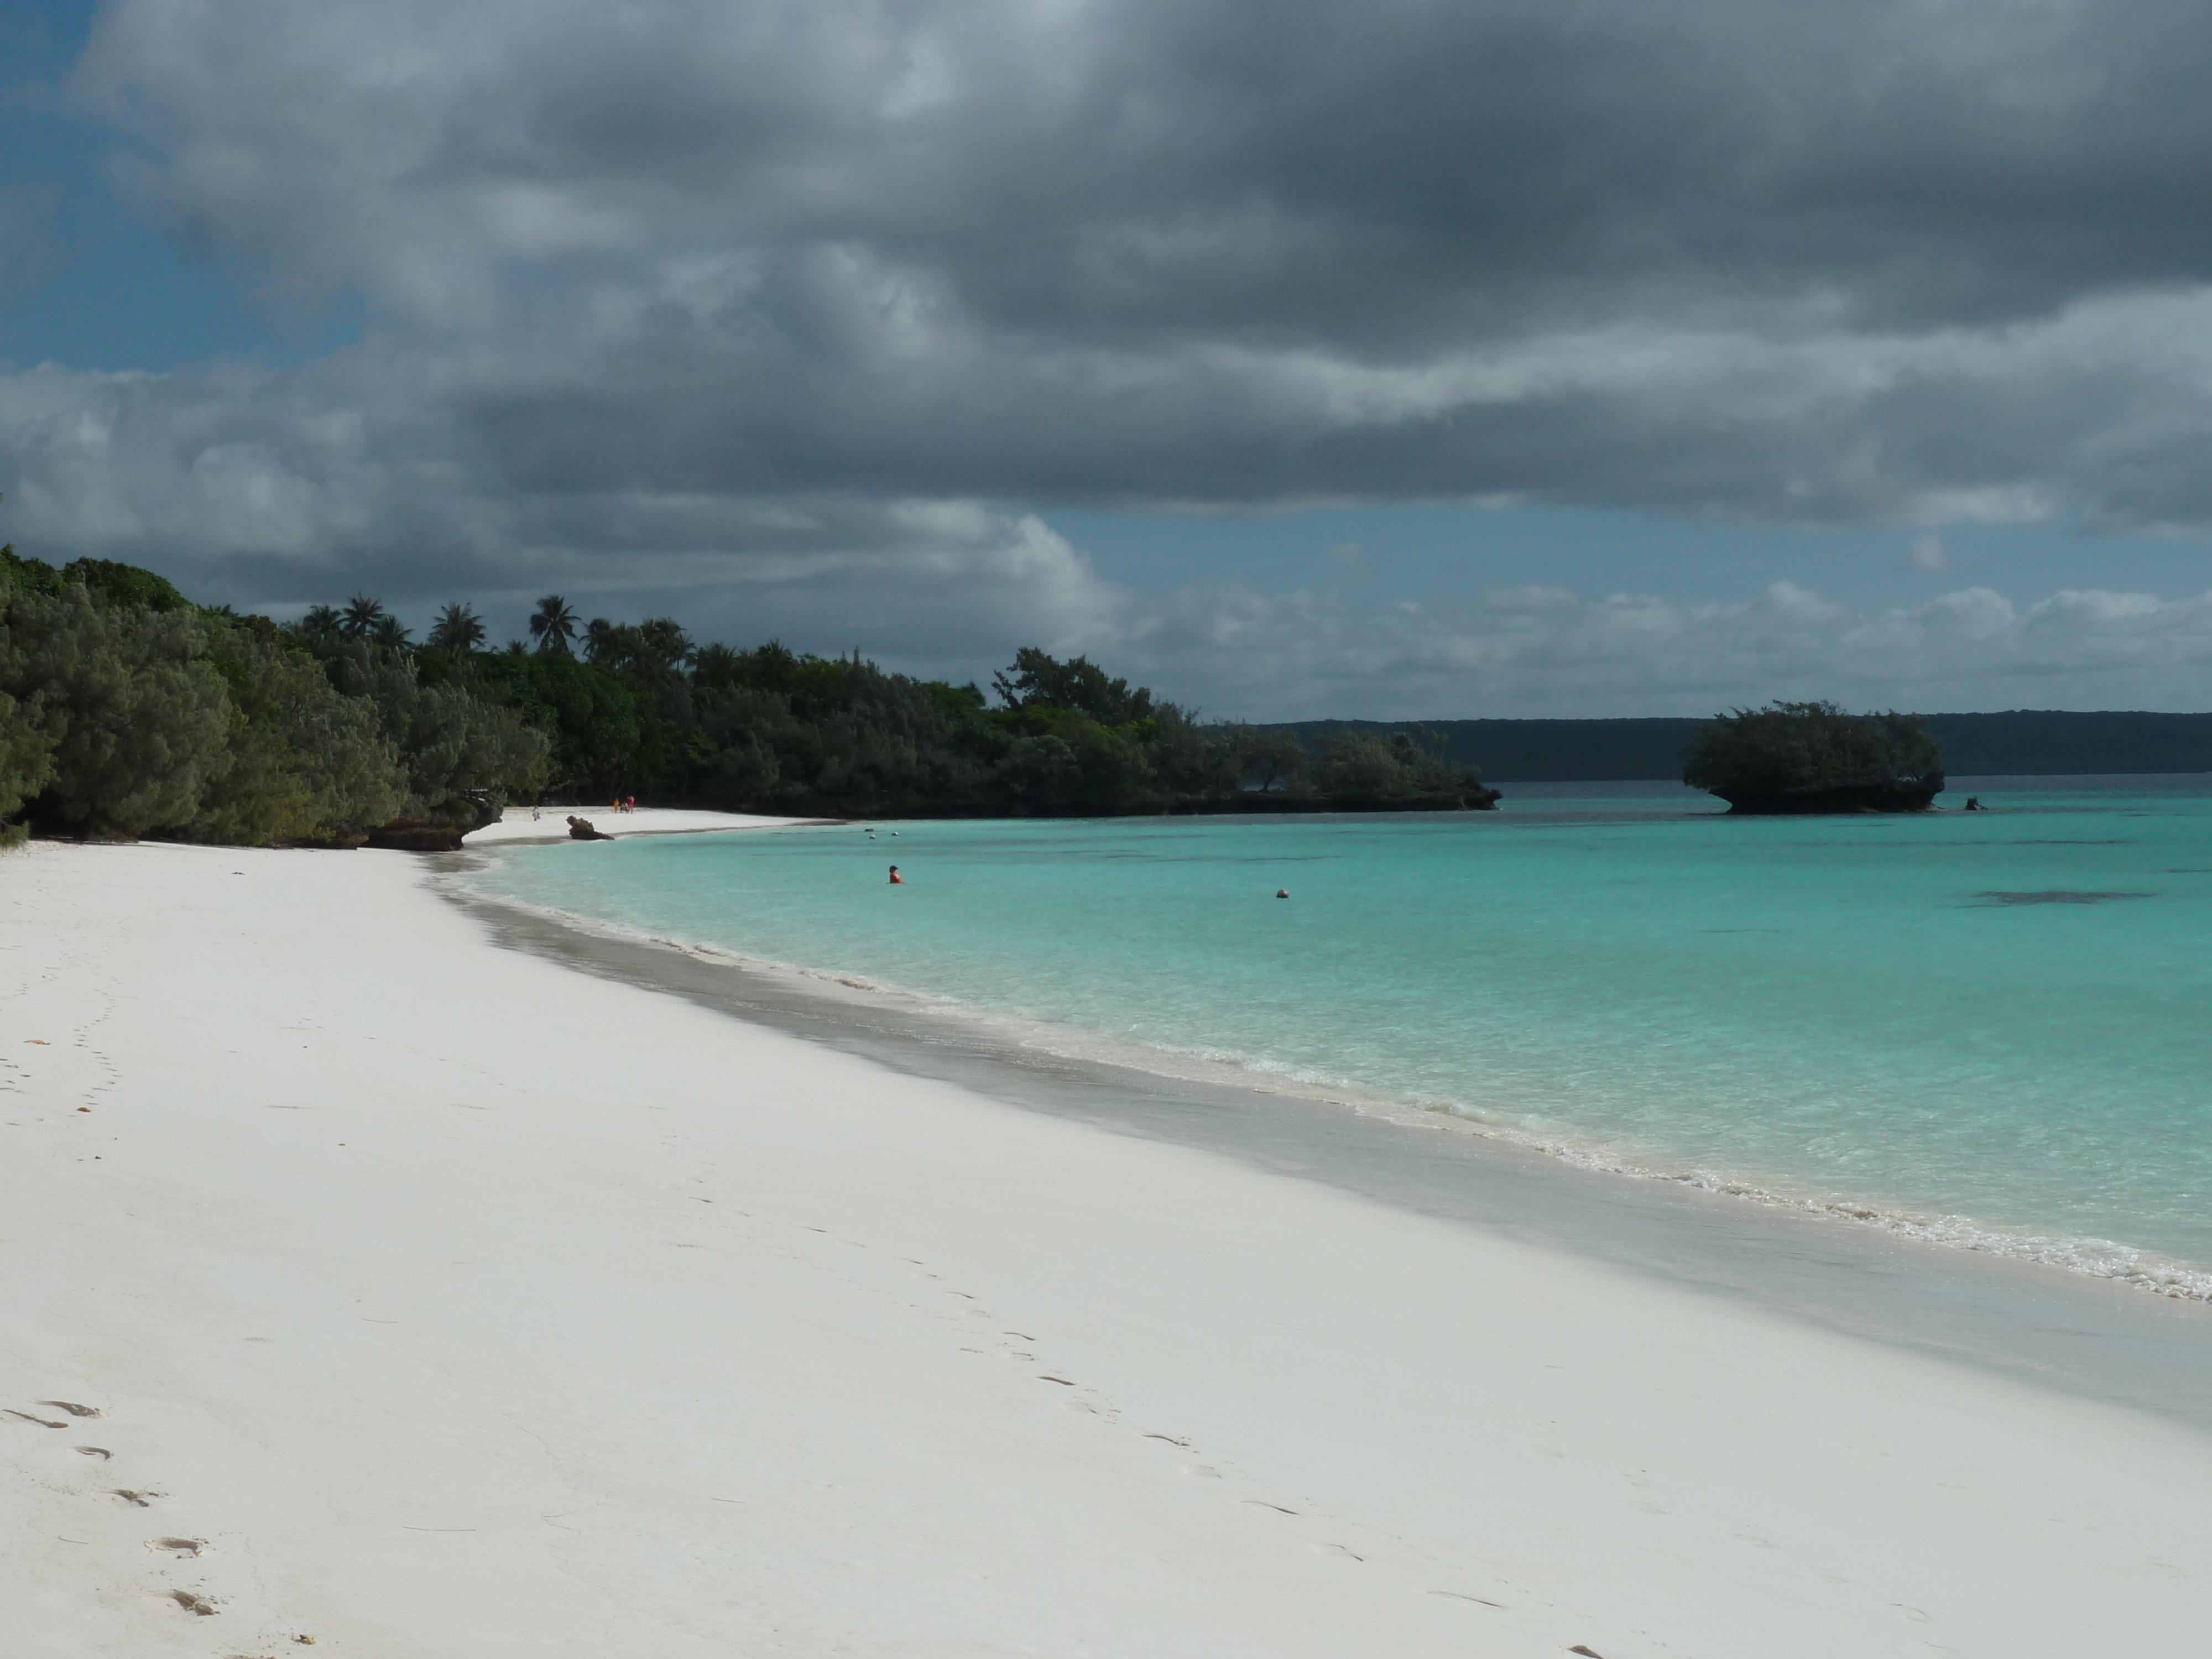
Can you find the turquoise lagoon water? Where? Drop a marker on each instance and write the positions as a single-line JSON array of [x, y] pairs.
[[1994, 1027]]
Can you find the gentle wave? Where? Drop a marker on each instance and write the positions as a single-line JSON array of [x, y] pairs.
[[2096, 1258]]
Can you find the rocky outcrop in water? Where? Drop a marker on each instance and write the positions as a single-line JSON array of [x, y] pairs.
[[1895, 795], [1801, 757]]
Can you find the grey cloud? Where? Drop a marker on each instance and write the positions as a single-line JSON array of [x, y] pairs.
[[1775, 259], [274, 491], [1380, 177], [222, 478], [643, 428], [1550, 653]]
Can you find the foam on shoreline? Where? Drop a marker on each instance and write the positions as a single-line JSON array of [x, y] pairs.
[[2090, 1257], [1891, 1277]]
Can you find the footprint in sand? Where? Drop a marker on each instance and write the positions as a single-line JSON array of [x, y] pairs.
[[144, 1500], [71, 1407], [178, 1546], [100, 1452], [42, 1422], [192, 1603]]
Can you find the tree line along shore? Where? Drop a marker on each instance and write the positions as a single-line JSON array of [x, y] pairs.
[[126, 710]]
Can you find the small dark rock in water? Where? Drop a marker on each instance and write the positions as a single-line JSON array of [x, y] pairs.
[[1282, 892], [585, 830], [2059, 895]]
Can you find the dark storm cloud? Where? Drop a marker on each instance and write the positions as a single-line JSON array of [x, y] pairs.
[[1234, 253], [1399, 177], [684, 292]]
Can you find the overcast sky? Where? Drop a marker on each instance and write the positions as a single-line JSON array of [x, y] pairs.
[[1379, 357]]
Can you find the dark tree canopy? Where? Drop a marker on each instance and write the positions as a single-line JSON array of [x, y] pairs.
[[1039, 681]]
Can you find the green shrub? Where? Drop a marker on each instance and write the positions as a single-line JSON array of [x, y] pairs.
[[306, 763], [26, 765], [454, 745], [136, 721], [1796, 747]]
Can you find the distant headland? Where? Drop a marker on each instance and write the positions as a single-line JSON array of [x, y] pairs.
[[2018, 742]]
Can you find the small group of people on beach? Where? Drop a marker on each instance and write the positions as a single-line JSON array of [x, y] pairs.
[[625, 803]]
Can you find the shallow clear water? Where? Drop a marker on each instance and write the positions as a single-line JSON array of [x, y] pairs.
[[2000, 1016]]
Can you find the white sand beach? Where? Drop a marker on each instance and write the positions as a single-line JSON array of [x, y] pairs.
[[437, 1300]]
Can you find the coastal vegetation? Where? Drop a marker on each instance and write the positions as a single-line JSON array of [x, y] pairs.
[[1813, 757], [126, 710], [2013, 742]]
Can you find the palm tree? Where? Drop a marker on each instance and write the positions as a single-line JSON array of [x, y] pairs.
[[662, 641], [603, 642], [458, 629], [715, 665], [553, 625], [360, 615], [321, 627], [389, 634]]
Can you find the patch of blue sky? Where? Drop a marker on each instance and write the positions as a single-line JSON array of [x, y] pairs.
[[88, 282]]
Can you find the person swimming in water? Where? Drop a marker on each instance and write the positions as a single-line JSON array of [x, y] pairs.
[[897, 880]]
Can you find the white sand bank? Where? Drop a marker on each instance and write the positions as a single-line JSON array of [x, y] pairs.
[[465, 1305], [519, 825]]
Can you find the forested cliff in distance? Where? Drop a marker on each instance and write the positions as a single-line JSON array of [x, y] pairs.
[[2019, 741], [126, 710]]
